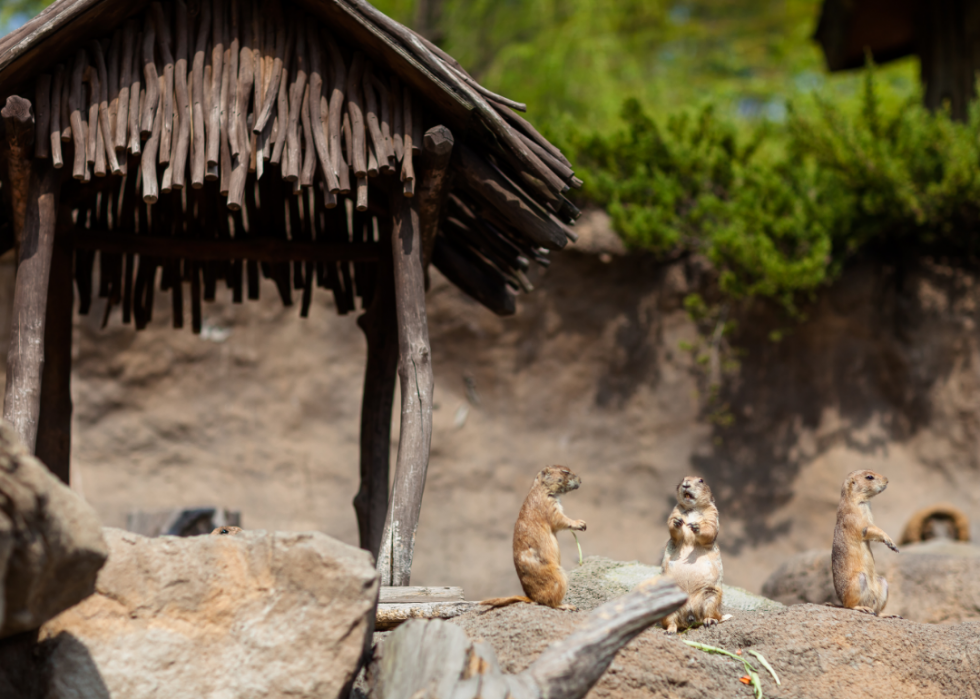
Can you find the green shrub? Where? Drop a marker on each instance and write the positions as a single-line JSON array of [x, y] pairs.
[[779, 209]]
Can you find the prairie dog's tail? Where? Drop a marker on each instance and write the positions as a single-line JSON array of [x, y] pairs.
[[506, 601], [918, 525]]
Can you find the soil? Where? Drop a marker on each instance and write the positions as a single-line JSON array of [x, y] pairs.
[[816, 651], [260, 413]]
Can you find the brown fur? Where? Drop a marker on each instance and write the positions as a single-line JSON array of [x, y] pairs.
[[854, 565], [692, 557], [225, 531], [536, 554], [923, 524]]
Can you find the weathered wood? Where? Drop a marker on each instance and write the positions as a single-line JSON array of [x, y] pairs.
[[105, 127], [54, 420], [95, 153], [419, 595], [148, 165], [240, 161], [114, 68], [25, 356], [385, 118], [373, 117], [76, 104], [150, 77], [198, 146], [482, 179], [42, 116], [225, 101], [261, 249], [396, 119], [355, 109], [54, 129], [18, 122], [272, 91], [320, 125], [162, 27], [435, 659], [390, 616], [137, 94], [216, 88], [408, 166], [434, 188], [282, 99], [335, 110], [125, 84], [415, 374], [381, 332], [178, 163], [309, 148], [65, 109], [297, 88]]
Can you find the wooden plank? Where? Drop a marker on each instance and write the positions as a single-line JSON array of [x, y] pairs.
[[415, 373], [25, 357], [416, 595], [261, 249], [390, 616]]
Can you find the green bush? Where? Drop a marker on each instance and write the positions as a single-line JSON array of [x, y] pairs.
[[779, 209]]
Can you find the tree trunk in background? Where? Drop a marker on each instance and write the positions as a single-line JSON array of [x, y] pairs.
[[948, 44]]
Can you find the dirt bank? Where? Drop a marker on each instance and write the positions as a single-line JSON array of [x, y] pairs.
[[261, 414]]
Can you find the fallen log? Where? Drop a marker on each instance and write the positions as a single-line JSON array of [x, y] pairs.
[[435, 659], [390, 616]]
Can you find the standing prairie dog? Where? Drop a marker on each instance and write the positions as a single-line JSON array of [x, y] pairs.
[[536, 554], [692, 557], [854, 566]]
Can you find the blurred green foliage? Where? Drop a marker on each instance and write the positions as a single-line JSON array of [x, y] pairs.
[[779, 209]]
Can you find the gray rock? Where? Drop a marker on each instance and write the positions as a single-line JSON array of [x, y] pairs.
[[51, 545], [933, 582], [254, 615], [599, 580]]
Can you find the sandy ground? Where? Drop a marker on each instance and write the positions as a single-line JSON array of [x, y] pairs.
[[261, 414]]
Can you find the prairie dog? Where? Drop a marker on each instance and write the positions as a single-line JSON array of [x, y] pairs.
[[225, 531], [692, 557], [536, 554], [855, 581]]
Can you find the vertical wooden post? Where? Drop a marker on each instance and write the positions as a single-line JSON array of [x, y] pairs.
[[437, 145], [415, 374], [381, 331], [25, 358], [54, 422]]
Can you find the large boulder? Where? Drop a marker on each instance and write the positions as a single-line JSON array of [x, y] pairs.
[[933, 582], [51, 545], [599, 580], [254, 615], [816, 651]]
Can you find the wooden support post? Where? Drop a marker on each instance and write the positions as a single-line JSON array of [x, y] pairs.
[[381, 331], [54, 422], [25, 357], [18, 121], [437, 145], [415, 373]]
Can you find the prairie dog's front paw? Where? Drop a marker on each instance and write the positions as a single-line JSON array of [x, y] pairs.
[[677, 522], [891, 544], [579, 525], [694, 528]]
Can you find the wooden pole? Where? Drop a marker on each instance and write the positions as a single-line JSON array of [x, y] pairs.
[[415, 373], [54, 421], [381, 331], [437, 145], [18, 122], [25, 357]]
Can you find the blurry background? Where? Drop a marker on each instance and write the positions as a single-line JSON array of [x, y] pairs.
[[775, 285]]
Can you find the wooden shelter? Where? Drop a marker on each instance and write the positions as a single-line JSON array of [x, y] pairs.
[[317, 143], [945, 34]]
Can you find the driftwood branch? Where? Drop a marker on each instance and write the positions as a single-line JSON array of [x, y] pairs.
[[435, 659], [437, 145], [18, 121]]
